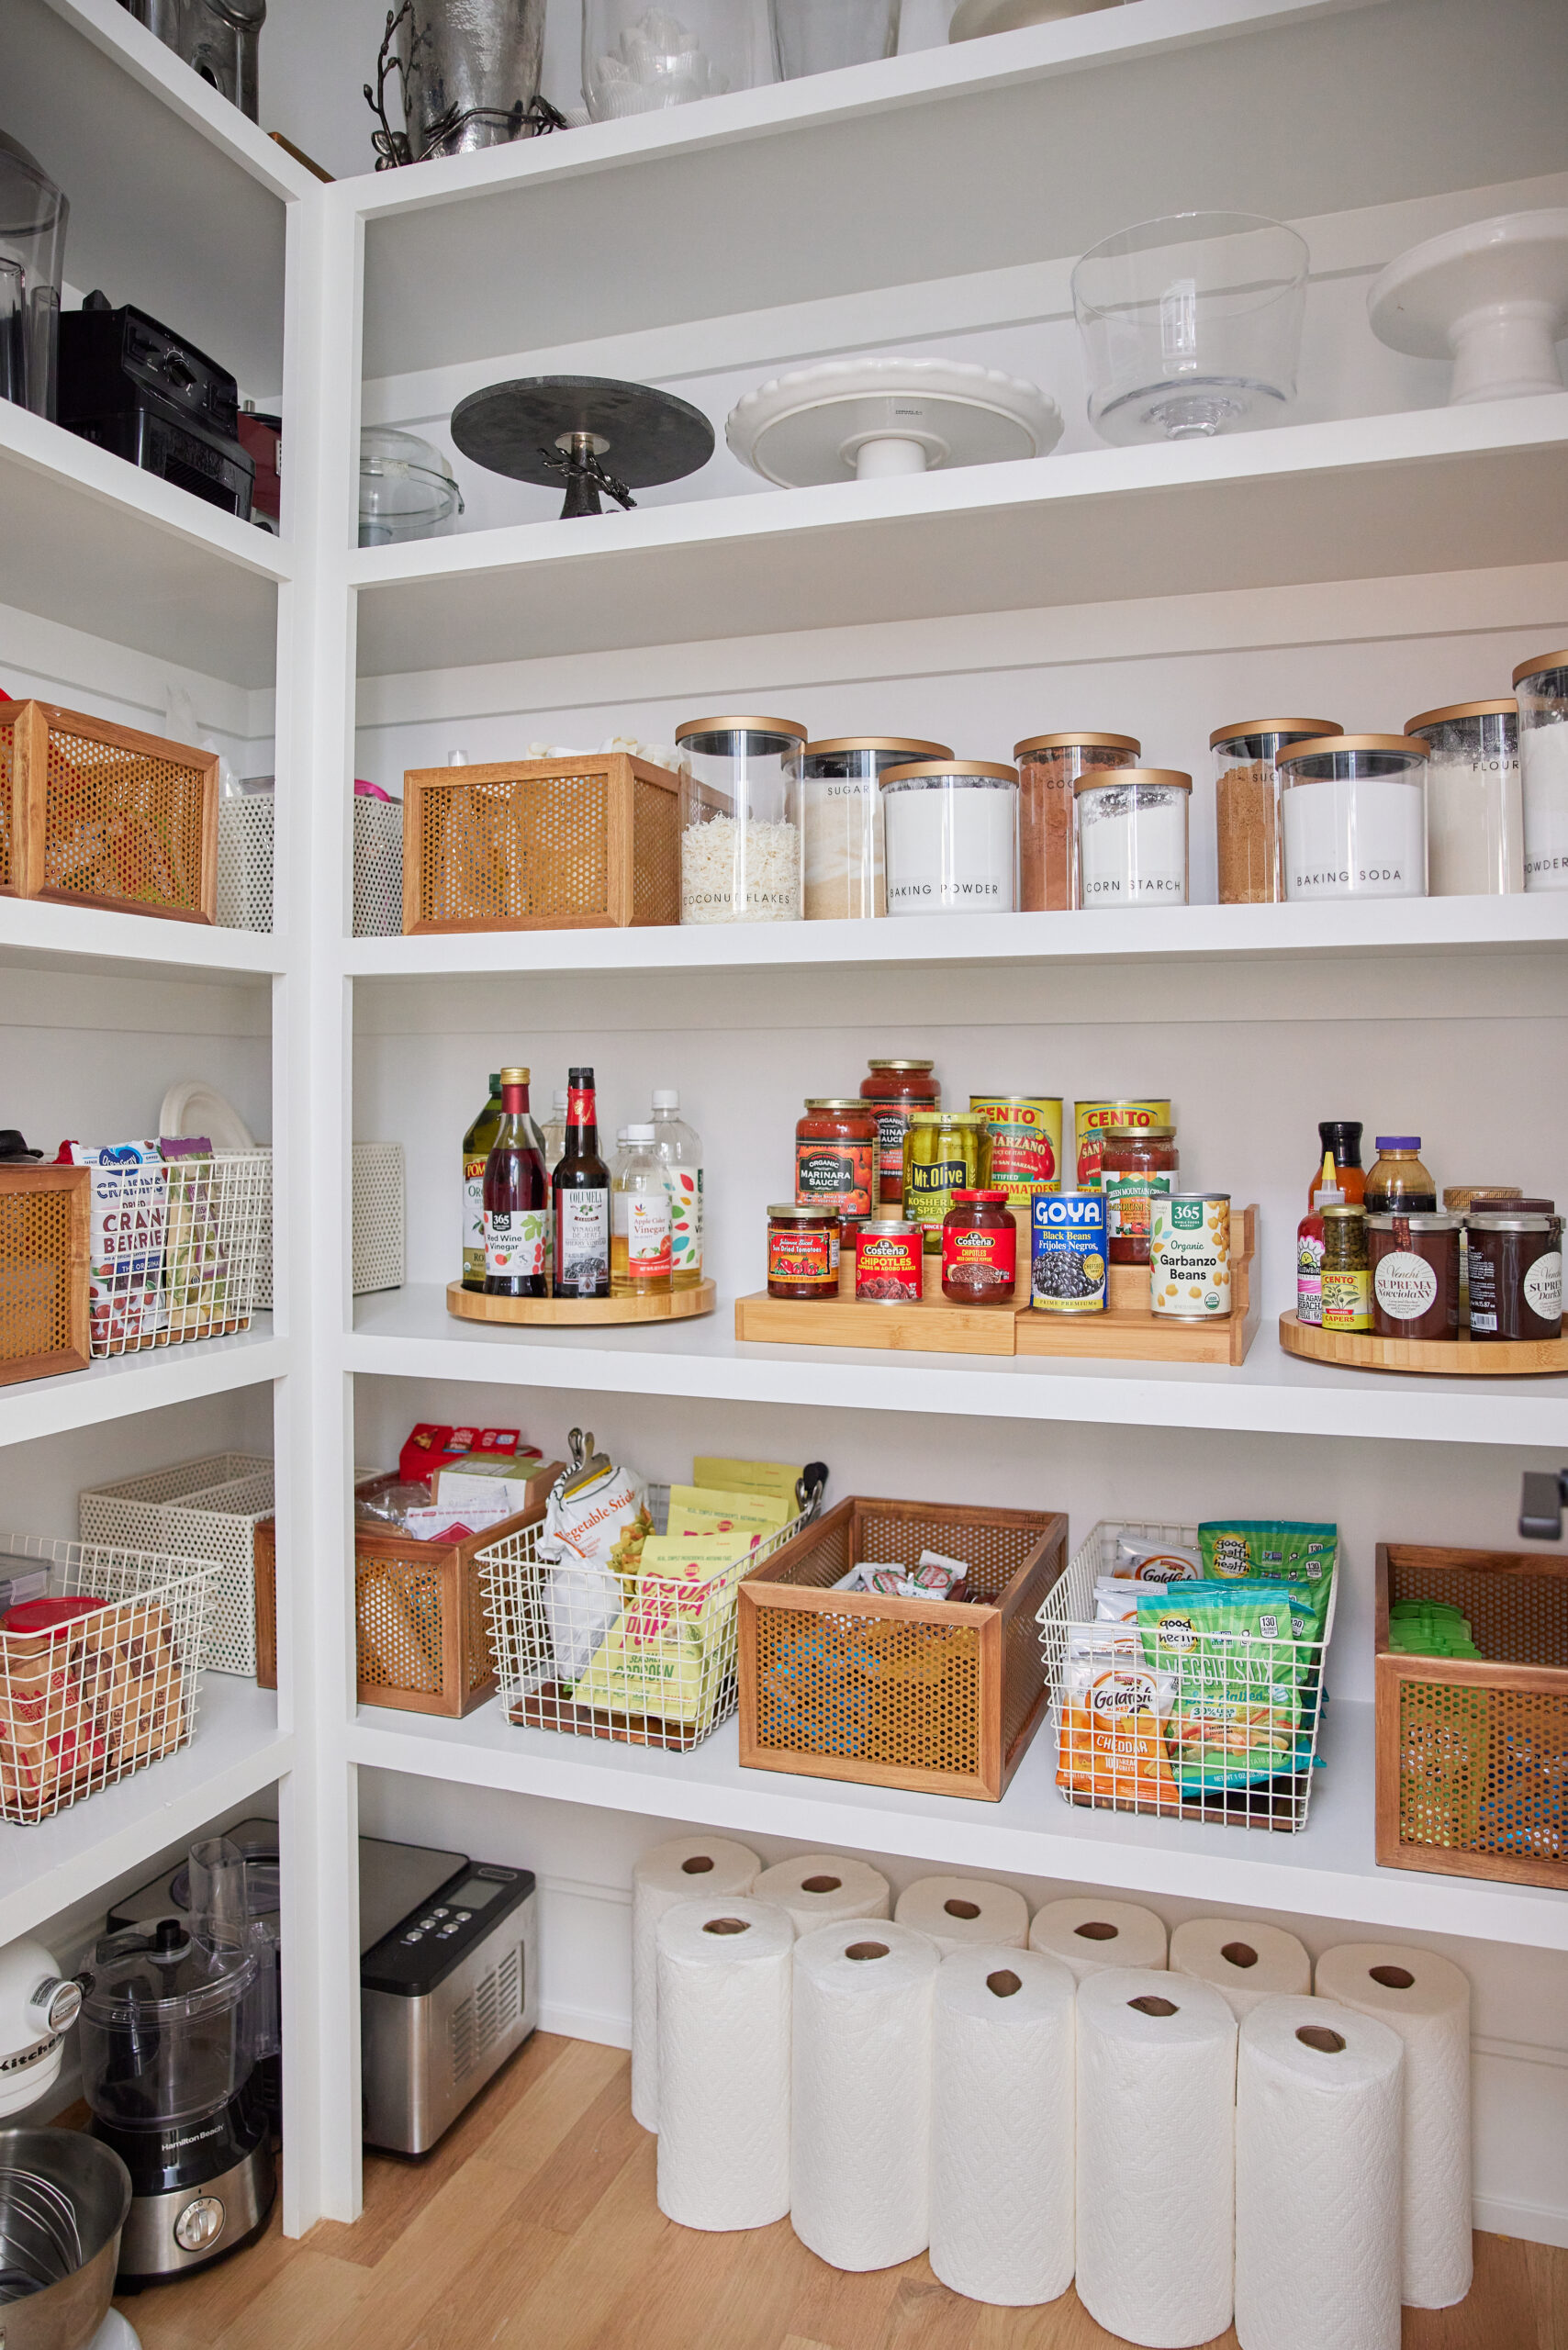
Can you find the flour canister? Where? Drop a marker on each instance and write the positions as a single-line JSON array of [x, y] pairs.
[[1025, 1143], [1089, 1121], [1189, 1257]]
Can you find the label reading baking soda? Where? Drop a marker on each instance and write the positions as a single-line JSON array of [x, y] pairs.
[[1068, 1252], [1189, 1269]]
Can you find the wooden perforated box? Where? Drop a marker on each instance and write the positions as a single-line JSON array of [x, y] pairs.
[[45, 1313], [585, 843], [95, 815], [1472, 1754], [938, 1695]]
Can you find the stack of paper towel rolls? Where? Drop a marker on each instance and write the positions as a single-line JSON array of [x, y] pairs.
[[1245, 1962], [823, 1888], [686, 1867], [961, 1912], [1426, 1999], [1087, 1932], [725, 1998]]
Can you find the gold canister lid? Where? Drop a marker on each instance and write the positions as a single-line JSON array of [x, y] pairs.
[[1294, 727], [840, 1102], [1076, 739], [1504, 705], [689, 726], [1537, 664], [945, 1118], [1118, 780], [908, 744], [901, 1064], [1405, 745], [515, 1076], [921, 770]]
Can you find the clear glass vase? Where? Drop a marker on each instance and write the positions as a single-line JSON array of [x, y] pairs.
[[638, 58], [818, 36]]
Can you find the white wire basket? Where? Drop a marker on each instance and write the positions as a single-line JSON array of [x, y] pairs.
[[245, 860], [379, 1222], [206, 1509], [86, 1701], [1180, 1736], [173, 1250], [661, 1671]]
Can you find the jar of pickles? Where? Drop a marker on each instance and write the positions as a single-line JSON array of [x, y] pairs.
[[1048, 768], [1347, 1276], [945, 1151], [841, 821]]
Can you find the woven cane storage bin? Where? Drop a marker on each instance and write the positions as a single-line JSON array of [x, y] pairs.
[[589, 844], [939, 1695], [45, 1315], [99, 815], [201, 1509], [1473, 1758]]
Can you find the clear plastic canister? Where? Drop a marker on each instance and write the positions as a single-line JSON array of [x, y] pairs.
[[1132, 837], [1048, 766], [1542, 685], [740, 820], [1475, 844], [841, 821], [1247, 804], [951, 829], [1353, 817], [167, 2028]]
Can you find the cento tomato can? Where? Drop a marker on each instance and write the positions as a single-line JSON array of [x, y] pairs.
[[889, 1263], [1026, 1142], [1090, 1120], [1068, 1252]]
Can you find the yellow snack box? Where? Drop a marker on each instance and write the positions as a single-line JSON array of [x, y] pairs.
[[661, 1656], [776, 1477], [707, 1509]]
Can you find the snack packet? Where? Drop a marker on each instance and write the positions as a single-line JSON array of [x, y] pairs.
[[699, 1509], [1111, 1744], [658, 1655], [776, 1478], [1239, 1663], [1288, 1549], [1144, 1561], [595, 1521], [129, 1195]]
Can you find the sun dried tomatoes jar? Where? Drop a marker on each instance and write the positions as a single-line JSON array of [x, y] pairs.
[[1135, 1163], [980, 1248], [802, 1251], [835, 1155], [895, 1089]]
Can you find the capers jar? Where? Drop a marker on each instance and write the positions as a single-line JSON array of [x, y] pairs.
[[943, 1151]]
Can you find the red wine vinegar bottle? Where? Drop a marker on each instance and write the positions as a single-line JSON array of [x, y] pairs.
[[517, 1200]]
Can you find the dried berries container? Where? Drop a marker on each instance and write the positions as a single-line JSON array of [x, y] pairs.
[[1353, 817], [1048, 768], [1132, 837], [740, 820], [1542, 685], [841, 821], [1247, 804], [1476, 846], [952, 837]]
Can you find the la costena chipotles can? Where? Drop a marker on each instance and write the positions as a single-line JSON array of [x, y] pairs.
[[1068, 1252], [889, 1263]]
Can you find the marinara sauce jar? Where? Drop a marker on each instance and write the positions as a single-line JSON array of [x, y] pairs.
[[835, 1155], [894, 1088], [980, 1248], [802, 1251]]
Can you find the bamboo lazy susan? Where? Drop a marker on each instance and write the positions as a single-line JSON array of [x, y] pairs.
[[574, 1313], [1460, 1358], [1125, 1332]]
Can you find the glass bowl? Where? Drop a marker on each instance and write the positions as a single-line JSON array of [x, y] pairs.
[[406, 489], [638, 58], [818, 36]]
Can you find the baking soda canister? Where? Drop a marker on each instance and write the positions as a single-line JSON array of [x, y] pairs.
[[1025, 1143], [1189, 1255], [1090, 1120], [1068, 1252]]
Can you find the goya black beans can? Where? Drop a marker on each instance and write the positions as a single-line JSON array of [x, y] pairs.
[[1068, 1252]]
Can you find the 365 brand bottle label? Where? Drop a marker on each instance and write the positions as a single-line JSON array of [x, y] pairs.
[[515, 1242]]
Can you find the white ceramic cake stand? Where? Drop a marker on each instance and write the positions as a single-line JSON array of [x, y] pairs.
[[1493, 296], [868, 418], [974, 17]]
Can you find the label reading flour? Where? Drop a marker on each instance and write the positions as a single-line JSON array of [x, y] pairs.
[[1404, 1285]]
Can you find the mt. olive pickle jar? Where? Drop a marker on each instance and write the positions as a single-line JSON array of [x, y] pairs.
[[1135, 1162], [1347, 1280], [895, 1089], [836, 1155], [1414, 1262], [943, 1151]]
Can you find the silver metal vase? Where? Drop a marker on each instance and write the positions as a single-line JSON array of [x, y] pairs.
[[472, 64]]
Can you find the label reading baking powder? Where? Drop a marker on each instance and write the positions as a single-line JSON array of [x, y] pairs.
[[1404, 1285]]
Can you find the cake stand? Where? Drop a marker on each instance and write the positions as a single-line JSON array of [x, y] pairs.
[[974, 17], [547, 429], [1494, 297], [869, 418]]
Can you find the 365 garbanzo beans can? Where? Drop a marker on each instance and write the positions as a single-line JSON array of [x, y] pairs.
[[1089, 1121], [1189, 1255], [1025, 1143]]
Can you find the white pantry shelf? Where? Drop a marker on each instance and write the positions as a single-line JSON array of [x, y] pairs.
[[120, 1385], [408, 1334], [93, 941], [1438, 489], [238, 1750], [1328, 1871], [91, 540]]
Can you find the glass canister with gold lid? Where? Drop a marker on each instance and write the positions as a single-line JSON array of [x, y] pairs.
[[1048, 766], [1246, 804], [740, 820], [841, 821]]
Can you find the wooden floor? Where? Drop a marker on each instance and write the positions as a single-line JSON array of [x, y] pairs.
[[534, 2226]]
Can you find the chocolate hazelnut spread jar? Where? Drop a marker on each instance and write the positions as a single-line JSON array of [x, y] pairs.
[[1414, 1261], [1516, 1274]]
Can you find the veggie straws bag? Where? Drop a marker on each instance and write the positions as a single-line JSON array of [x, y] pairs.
[[592, 1520]]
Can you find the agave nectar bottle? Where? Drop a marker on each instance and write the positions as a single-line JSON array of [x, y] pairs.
[[517, 1200], [476, 1150]]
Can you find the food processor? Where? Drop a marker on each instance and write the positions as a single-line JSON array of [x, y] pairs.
[[168, 2042], [33, 216]]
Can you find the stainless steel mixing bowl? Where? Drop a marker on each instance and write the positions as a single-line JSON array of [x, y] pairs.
[[63, 2200]]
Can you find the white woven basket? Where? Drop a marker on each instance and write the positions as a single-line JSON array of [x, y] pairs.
[[204, 1509], [245, 861], [378, 1222]]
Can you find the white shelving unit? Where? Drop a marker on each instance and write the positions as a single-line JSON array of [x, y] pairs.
[[1382, 555]]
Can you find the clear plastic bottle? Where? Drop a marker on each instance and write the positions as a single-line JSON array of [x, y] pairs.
[[554, 1131], [639, 1220], [679, 1149], [1397, 1183]]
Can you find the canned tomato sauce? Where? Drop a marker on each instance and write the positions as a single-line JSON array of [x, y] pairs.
[[1090, 1120], [1068, 1252], [1189, 1269], [1026, 1142]]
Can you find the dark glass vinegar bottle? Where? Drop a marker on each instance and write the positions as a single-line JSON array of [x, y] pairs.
[[580, 1198], [517, 1200]]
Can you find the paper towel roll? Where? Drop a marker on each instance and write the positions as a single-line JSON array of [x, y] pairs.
[[860, 2160], [823, 1888], [1427, 2000], [1002, 2151], [1087, 1933], [960, 1911], [665, 1874], [724, 2030], [1156, 2156], [1245, 1962], [1318, 2125]]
